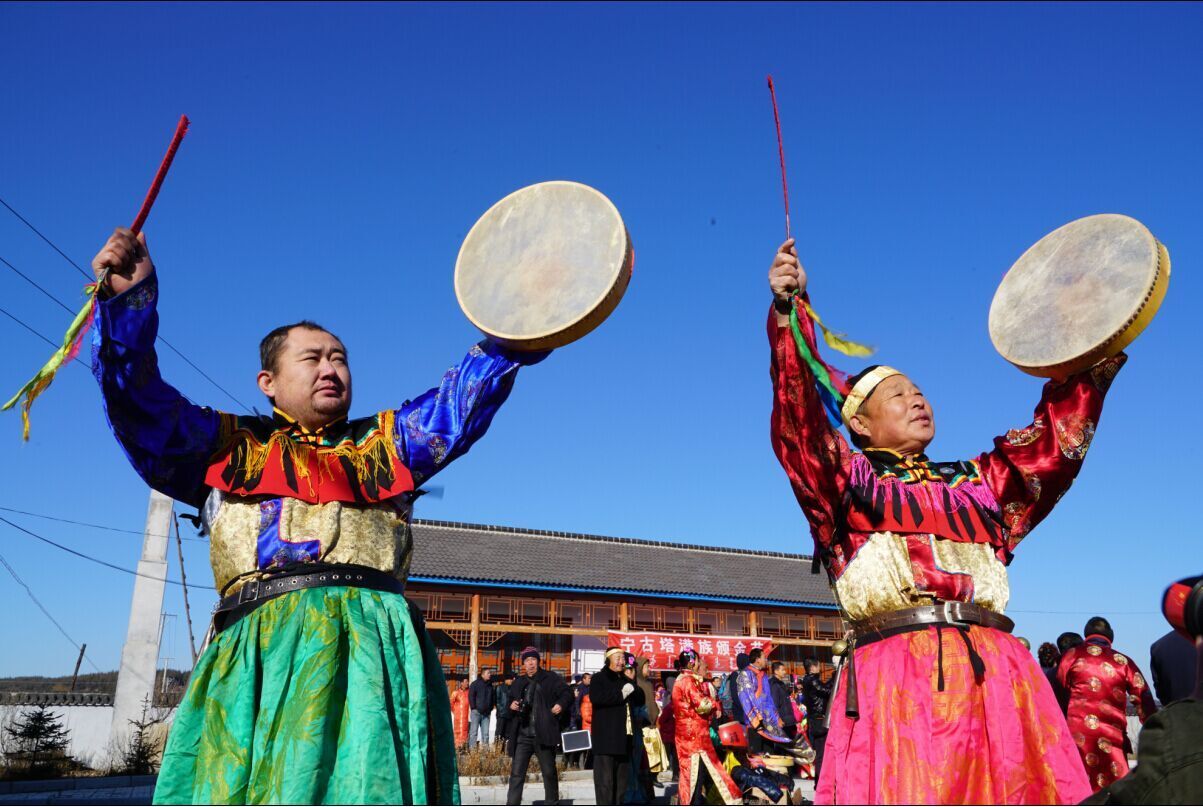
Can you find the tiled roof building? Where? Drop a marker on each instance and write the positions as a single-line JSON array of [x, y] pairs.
[[489, 591]]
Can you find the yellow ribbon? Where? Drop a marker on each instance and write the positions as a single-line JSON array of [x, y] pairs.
[[838, 341]]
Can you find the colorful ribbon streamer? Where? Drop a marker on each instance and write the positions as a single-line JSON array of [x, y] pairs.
[[73, 338]]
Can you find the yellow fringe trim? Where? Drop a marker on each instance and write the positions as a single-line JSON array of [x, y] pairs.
[[376, 454]]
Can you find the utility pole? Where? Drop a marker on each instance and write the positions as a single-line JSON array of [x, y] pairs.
[[140, 654], [179, 547], [78, 661]]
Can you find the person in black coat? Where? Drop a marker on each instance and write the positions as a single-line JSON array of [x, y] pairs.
[[780, 688], [613, 696], [481, 700], [541, 703], [815, 695], [1172, 664]]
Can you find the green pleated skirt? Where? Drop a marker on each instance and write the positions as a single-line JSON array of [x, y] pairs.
[[321, 696]]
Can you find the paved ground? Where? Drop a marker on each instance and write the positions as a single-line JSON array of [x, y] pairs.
[[577, 788]]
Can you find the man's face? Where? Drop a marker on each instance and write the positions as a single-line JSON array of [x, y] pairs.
[[761, 663], [781, 674], [311, 381], [897, 417], [586, 678], [530, 665], [614, 662], [487, 674]]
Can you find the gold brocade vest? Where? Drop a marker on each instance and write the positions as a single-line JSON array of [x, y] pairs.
[[248, 535]]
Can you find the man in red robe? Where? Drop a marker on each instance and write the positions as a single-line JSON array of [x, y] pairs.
[[1100, 683]]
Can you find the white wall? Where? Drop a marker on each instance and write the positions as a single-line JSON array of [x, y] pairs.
[[88, 729]]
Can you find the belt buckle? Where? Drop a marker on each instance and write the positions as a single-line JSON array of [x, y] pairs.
[[249, 592], [951, 611]]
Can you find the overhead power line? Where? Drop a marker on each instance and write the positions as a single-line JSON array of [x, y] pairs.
[[38, 233], [166, 344], [113, 566], [38, 334], [42, 608], [93, 526], [34, 283]]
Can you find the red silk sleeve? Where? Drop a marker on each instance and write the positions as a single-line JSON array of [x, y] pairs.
[[814, 455], [1141, 696], [1031, 468]]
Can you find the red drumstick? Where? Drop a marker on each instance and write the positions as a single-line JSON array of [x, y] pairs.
[[160, 176], [780, 154]]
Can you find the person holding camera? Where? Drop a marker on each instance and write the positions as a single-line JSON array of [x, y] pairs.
[[540, 703]]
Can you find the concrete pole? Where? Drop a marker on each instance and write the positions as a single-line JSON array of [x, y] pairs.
[[136, 677]]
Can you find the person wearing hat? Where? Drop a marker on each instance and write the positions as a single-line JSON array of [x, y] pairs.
[[694, 706], [917, 554], [541, 703], [613, 696]]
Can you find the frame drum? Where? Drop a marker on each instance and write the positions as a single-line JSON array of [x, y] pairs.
[[1080, 295], [544, 266]]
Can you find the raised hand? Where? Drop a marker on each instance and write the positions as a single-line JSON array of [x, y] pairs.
[[786, 278], [126, 258]]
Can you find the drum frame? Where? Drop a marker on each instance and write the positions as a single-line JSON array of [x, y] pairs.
[[1124, 336], [582, 325]]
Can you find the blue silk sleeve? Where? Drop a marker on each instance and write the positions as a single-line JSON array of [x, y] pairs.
[[444, 422], [745, 688], [167, 438]]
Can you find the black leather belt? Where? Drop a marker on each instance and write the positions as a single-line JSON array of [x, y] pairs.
[[258, 591], [943, 614], [948, 612]]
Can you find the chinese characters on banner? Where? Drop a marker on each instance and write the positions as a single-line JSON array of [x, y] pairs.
[[719, 652]]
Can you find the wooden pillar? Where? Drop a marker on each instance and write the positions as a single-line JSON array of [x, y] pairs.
[[624, 623], [474, 643], [753, 628]]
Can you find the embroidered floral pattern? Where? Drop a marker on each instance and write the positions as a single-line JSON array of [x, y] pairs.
[[1074, 433], [1103, 373], [1028, 435]]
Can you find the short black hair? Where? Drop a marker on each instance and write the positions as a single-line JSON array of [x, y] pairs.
[[754, 654], [271, 345], [857, 440], [1067, 641], [777, 665], [1100, 626], [810, 661], [1048, 655]]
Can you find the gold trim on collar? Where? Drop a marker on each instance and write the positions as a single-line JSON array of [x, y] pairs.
[[863, 389]]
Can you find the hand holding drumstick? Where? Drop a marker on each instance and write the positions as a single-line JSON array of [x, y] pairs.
[[787, 277]]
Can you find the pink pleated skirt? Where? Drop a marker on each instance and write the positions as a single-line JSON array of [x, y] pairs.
[[1003, 741]]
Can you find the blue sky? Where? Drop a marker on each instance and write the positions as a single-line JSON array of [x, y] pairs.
[[339, 154]]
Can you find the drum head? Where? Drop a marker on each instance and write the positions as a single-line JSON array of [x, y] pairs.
[[544, 266], [1080, 294]]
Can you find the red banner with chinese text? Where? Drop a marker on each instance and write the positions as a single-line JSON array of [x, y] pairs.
[[719, 652]]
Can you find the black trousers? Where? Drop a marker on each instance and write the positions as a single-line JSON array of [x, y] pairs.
[[524, 746], [503, 728], [818, 740], [610, 775]]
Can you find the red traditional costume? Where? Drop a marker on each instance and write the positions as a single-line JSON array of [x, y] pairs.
[[694, 703], [957, 713], [459, 716], [1100, 683]]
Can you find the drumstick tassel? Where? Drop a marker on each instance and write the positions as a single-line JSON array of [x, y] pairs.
[[74, 337]]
